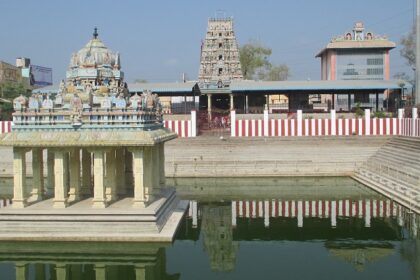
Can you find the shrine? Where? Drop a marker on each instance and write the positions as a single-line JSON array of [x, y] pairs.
[[104, 158]]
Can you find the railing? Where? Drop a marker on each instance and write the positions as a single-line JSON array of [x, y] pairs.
[[129, 117]]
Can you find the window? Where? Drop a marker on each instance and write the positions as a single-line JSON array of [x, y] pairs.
[[361, 98], [350, 70], [220, 57], [375, 61], [220, 71], [220, 45], [375, 71], [220, 34]]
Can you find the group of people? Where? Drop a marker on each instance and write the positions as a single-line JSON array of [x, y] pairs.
[[221, 122]]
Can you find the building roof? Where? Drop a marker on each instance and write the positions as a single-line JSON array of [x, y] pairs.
[[179, 89], [323, 85], [163, 87], [349, 44], [358, 38], [158, 88]]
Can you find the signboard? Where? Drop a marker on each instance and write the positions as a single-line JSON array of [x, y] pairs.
[[40, 76]]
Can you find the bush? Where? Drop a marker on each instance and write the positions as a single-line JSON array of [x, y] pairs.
[[379, 114], [359, 111]]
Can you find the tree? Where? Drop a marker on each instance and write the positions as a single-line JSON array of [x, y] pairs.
[[10, 91], [256, 65], [253, 56], [277, 73], [402, 76], [408, 50]]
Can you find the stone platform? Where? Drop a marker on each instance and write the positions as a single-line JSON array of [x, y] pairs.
[[120, 221]]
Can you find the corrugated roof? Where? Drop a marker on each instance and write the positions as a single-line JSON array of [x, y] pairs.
[[139, 87], [236, 86], [162, 87]]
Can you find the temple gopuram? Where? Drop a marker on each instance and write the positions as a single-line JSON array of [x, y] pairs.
[[104, 154]]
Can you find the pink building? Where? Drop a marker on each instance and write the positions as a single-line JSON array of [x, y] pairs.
[[356, 55]]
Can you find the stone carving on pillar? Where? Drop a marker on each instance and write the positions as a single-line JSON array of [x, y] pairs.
[[162, 178], [38, 175], [19, 177], [99, 198], [50, 172], [86, 173], [61, 177], [156, 167], [120, 171], [142, 173], [111, 179], [74, 191]]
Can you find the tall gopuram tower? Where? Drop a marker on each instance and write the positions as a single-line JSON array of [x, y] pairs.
[[219, 61], [219, 65], [103, 148]]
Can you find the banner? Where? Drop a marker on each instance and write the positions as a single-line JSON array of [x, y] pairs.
[[40, 76]]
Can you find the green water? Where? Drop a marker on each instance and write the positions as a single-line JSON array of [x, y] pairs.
[[291, 228]]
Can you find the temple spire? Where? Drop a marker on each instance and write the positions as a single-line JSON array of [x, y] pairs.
[[95, 33]]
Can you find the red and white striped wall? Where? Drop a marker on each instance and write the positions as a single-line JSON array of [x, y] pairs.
[[180, 127], [184, 128], [5, 126], [366, 209], [316, 127], [322, 127], [410, 127]]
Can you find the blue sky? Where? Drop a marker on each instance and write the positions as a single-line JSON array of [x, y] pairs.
[[159, 40]]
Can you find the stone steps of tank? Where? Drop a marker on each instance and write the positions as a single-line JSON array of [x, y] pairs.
[[403, 195]]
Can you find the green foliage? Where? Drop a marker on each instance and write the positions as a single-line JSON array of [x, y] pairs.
[[277, 73], [379, 114], [359, 111], [256, 65], [10, 91], [253, 56]]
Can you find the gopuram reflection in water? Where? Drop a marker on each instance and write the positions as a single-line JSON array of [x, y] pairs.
[[105, 159], [340, 217]]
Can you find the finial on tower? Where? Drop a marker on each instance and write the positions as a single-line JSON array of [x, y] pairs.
[[95, 33]]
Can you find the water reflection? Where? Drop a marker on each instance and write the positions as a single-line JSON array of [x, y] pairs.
[[89, 260], [358, 226], [261, 228]]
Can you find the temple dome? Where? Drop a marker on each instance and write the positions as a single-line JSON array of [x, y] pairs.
[[95, 54]]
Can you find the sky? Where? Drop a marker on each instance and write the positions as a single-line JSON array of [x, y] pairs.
[[160, 40]]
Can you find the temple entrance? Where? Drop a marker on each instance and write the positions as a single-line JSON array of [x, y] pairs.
[[214, 114]]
